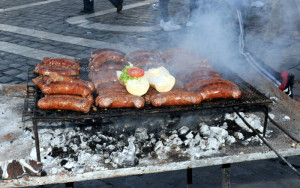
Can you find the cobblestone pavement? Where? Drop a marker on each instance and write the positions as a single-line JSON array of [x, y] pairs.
[[32, 29]]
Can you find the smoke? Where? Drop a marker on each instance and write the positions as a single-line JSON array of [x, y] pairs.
[[268, 24], [215, 32]]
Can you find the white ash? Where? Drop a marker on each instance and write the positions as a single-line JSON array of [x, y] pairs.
[[272, 116], [225, 125], [230, 139], [274, 100], [80, 150], [252, 119], [286, 118], [239, 135], [204, 130], [183, 130], [141, 134]]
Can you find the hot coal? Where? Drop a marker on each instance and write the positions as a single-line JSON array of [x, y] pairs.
[[123, 142]]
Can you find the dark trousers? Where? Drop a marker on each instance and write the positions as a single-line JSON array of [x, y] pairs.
[[88, 5], [163, 4], [114, 2]]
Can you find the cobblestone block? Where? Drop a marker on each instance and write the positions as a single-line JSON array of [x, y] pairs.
[[6, 79], [12, 72], [14, 65], [24, 68], [22, 76], [3, 67]]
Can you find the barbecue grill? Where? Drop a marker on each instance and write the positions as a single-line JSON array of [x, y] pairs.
[[252, 100]]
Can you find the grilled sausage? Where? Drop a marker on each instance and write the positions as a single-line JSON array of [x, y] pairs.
[[102, 73], [145, 59], [39, 81], [109, 66], [102, 50], [199, 85], [66, 88], [221, 92], [105, 57], [54, 77], [204, 73], [65, 102], [173, 98], [64, 62], [119, 101], [46, 70]]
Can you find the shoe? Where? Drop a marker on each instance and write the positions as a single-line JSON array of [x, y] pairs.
[[120, 6], [155, 6], [83, 11], [190, 24], [169, 25]]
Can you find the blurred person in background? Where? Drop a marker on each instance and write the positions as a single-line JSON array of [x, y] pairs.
[[166, 23], [88, 6]]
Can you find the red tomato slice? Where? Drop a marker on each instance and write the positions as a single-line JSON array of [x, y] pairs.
[[135, 72]]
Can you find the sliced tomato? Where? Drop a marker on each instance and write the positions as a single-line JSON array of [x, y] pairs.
[[135, 72]]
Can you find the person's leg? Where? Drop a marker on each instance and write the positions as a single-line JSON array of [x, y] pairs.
[[163, 5], [118, 4], [192, 6], [88, 5], [166, 23]]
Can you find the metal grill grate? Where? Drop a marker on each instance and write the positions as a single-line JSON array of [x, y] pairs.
[[251, 97]]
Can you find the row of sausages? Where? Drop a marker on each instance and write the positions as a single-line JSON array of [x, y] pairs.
[[196, 80], [60, 82]]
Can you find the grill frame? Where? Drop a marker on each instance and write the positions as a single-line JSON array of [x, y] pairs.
[[251, 100], [250, 97]]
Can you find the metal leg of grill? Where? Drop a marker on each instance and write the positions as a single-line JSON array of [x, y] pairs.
[[266, 120], [69, 185], [189, 175], [226, 176], [37, 141]]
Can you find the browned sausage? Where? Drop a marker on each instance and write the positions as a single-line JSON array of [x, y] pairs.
[[46, 70], [102, 50], [99, 81], [199, 85], [109, 66], [119, 101], [65, 62], [102, 73], [173, 98], [54, 77], [145, 59], [105, 57], [66, 88], [205, 72], [143, 54], [65, 102], [39, 81], [221, 92]]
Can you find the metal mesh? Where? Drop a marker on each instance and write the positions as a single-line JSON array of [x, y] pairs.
[[251, 97]]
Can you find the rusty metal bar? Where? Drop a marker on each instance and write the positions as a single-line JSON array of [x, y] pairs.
[[265, 142]]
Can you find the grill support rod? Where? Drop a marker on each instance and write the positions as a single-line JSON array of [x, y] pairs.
[[265, 142], [37, 141], [226, 176], [189, 177]]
